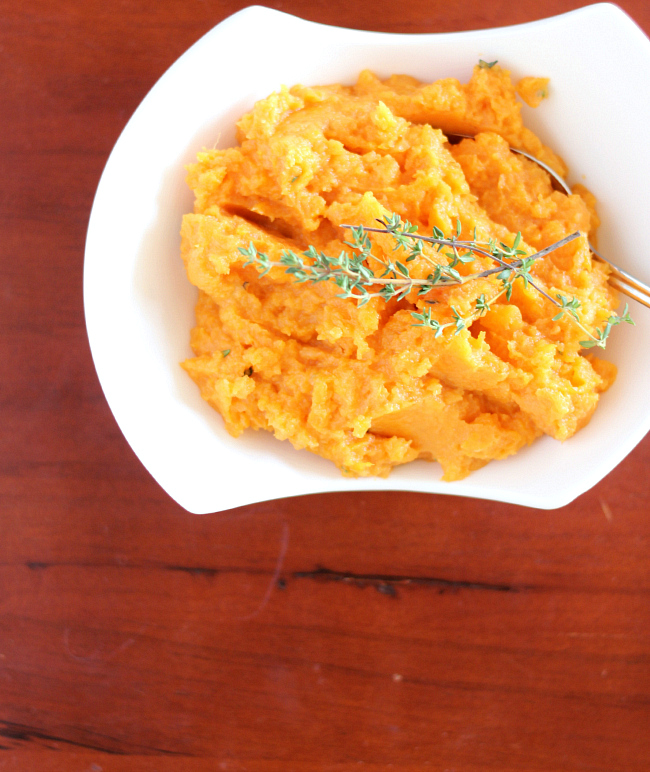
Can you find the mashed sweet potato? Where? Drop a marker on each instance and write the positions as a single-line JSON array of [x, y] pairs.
[[361, 385]]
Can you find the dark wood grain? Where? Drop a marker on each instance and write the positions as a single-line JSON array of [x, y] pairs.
[[334, 632]]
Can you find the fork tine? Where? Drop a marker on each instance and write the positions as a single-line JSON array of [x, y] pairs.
[[623, 276], [641, 296]]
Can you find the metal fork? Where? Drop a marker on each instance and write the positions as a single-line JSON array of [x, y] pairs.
[[619, 279]]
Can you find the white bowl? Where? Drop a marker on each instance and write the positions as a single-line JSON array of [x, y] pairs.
[[139, 304]]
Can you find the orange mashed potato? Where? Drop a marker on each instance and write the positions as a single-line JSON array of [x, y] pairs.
[[362, 385]]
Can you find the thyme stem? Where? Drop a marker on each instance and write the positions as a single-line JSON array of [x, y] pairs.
[[352, 274]]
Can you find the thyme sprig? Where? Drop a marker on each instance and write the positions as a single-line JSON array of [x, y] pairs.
[[351, 271]]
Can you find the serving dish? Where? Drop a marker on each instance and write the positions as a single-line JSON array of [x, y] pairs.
[[139, 305]]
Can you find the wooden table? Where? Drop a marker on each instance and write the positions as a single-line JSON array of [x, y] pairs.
[[334, 632]]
